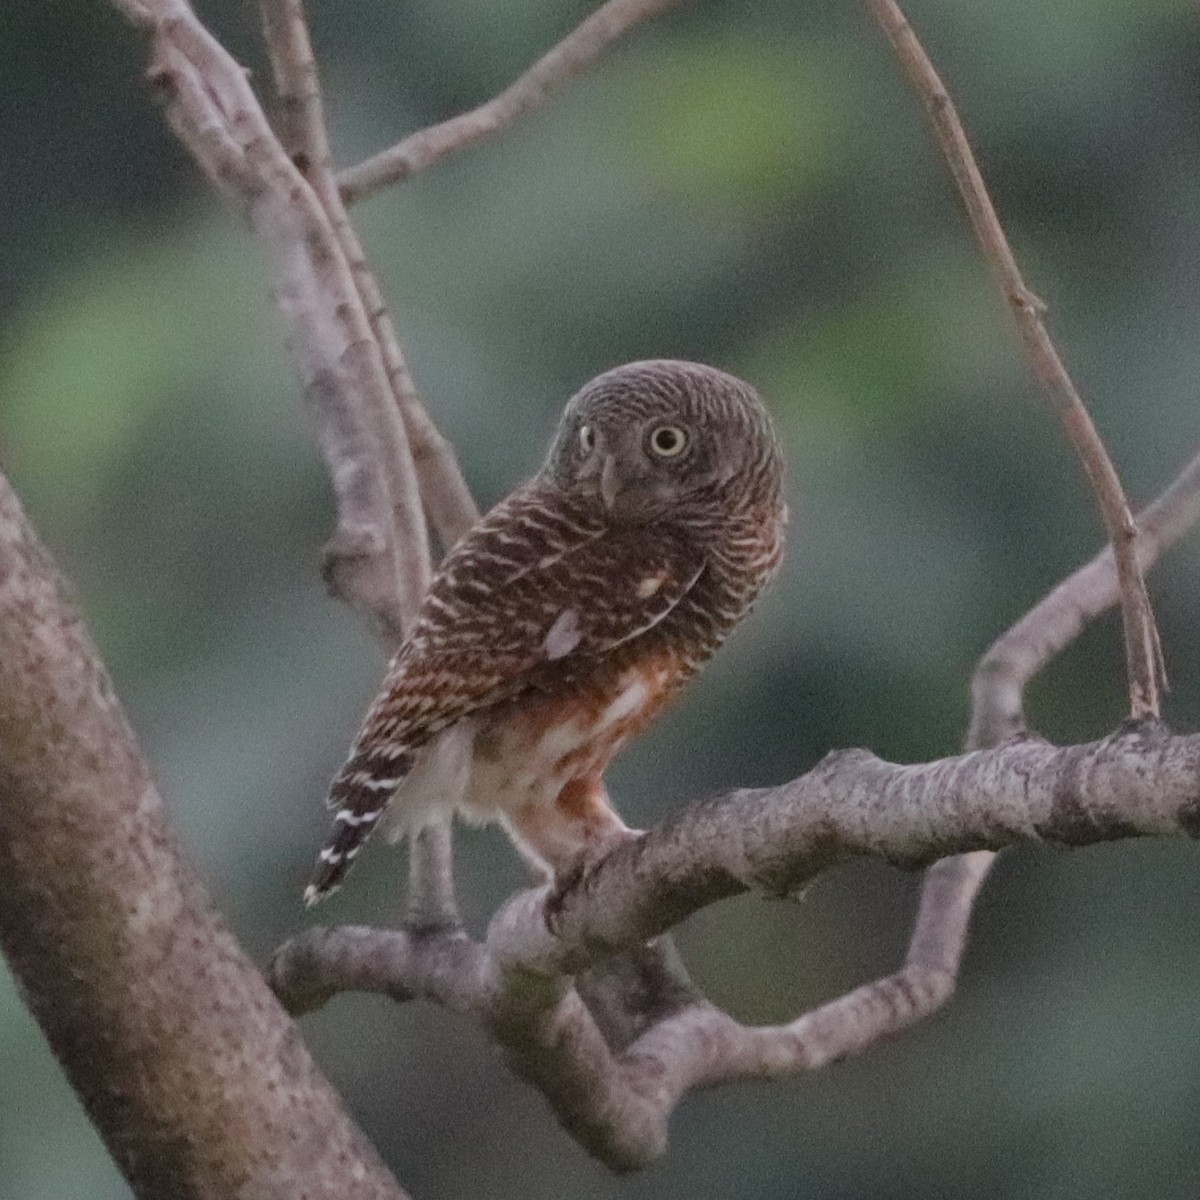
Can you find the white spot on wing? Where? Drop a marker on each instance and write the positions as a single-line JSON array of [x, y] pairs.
[[650, 585], [563, 636]]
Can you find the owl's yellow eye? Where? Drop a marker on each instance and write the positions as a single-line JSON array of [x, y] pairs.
[[668, 441], [587, 438]]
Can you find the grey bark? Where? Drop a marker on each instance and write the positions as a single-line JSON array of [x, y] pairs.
[[614, 1072], [195, 1077]]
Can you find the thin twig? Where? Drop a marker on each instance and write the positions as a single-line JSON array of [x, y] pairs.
[[577, 51], [421, 473], [213, 110], [1143, 653], [422, 462]]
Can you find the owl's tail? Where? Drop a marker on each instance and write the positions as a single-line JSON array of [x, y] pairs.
[[360, 794]]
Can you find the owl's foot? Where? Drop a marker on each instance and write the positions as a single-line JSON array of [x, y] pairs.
[[575, 874]]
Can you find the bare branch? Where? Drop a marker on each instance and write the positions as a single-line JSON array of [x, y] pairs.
[[417, 465], [1140, 781], [617, 1100], [1143, 653], [212, 109], [193, 1074], [951, 886], [303, 117], [574, 54]]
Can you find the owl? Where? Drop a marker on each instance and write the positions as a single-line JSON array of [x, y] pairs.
[[562, 623]]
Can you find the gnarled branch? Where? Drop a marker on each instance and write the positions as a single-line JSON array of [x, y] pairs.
[[1139, 782]]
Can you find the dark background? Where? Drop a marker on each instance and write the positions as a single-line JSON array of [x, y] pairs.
[[746, 184]]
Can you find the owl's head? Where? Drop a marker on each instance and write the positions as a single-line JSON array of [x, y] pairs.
[[650, 436]]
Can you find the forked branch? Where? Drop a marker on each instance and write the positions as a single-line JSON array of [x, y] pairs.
[[416, 465], [1141, 781], [518, 984]]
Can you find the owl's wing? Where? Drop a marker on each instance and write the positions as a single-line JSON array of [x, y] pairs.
[[534, 583]]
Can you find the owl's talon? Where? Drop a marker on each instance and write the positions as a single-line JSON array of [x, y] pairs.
[[565, 882], [576, 874]]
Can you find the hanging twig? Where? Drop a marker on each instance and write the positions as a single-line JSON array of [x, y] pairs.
[[307, 144]]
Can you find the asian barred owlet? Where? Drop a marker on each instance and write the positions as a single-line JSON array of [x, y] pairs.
[[560, 625]]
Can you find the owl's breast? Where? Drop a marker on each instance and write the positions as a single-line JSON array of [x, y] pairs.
[[527, 749]]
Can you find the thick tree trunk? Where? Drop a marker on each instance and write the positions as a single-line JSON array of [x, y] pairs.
[[198, 1082]]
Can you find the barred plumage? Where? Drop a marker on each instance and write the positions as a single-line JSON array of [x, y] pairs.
[[561, 624]]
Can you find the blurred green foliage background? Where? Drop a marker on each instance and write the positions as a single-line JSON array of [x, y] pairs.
[[747, 184]]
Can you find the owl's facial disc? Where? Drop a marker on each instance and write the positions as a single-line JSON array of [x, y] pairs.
[[635, 468], [649, 438]]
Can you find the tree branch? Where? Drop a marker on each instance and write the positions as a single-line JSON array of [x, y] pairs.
[[1139, 782], [645, 1049], [574, 54], [194, 1076], [930, 972], [424, 469], [1019, 654], [614, 1067], [419, 477], [1143, 653], [210, 106]]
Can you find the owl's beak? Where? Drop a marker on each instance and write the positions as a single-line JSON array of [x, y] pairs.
[[610, 485]]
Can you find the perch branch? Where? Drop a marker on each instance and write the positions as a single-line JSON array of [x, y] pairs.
[[194, 1076], [1141, 781], [614, 1074], [533, 90], [1143, 653], [1138, 782]]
